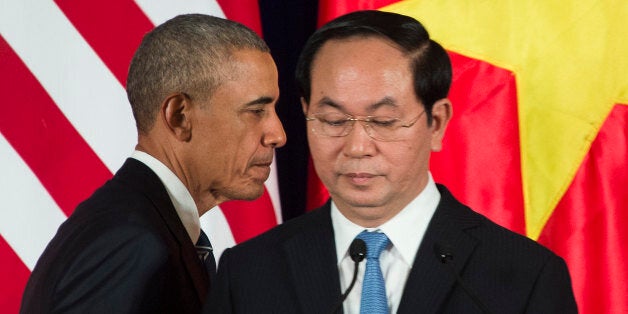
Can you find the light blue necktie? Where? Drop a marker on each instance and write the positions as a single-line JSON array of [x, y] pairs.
[[373, 287]]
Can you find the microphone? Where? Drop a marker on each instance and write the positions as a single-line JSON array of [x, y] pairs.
[[357, 251], [446, 257]]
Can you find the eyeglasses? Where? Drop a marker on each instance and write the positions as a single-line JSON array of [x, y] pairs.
[[335, 124]]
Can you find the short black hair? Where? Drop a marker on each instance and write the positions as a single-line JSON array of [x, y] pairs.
[[431, 67]]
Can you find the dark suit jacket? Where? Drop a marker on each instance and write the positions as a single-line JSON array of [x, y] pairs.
[[123, 250], [293, 269]]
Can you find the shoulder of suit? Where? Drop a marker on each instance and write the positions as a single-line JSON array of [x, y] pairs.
[[308, 222], [509, 243], [490, 232]]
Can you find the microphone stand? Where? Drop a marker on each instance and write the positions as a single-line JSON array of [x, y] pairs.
[[357, 251]]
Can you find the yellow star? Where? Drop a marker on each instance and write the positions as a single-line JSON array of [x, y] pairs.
[[570, 59]]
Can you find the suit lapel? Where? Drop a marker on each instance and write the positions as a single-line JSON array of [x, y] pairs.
[[430, 281], [196, 270], [140, 177], [311, 257]]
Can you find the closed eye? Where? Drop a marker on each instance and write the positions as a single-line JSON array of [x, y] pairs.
[[384, 122], [259, 106], [258, 111], [335, 122]]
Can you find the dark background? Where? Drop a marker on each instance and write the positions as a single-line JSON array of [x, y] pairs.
[[286, 26]]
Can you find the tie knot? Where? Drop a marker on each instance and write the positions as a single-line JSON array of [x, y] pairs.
[[376, 242], [203, 246], [205, 254], [203, 240]]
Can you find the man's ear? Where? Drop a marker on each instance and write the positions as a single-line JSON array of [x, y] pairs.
[[441, 115], [176, 114], [304, 106]]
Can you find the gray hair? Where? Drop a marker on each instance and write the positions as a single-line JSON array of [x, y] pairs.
[[187, 54]]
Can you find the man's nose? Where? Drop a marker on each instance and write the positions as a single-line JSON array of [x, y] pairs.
[[358, 143], [275, 136]]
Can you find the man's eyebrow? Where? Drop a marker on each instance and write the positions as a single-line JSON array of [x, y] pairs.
[[326, 101], [264, 100], [384, 102]]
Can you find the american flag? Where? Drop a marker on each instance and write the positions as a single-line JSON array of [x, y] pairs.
[[66, 124]]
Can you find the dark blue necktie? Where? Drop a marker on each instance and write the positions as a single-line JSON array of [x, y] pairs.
[[374, 299], [206, 254]]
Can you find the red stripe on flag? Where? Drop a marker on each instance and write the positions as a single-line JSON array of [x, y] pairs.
[[484, 126], [14, 275], [243, 11], [249, 218], [330, 9], [44, 138], [114, 29], [588, 226]]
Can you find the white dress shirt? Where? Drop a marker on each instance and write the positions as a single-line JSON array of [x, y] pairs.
[[405, 231], [179, 195]]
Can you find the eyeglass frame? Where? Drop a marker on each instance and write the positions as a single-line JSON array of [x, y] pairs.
[[366, 124]]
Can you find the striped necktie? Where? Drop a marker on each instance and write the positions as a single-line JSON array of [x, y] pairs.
[[206, 255]]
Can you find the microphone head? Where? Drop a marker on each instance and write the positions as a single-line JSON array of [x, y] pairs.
[[443, 253], [357, 250]]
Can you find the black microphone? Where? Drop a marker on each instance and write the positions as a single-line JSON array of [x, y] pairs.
[[446, 257], [357, 251]]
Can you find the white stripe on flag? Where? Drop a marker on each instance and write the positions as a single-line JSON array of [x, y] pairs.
[[159, 11], [272, 186], [73, 75], [29, 217], [217, 229]]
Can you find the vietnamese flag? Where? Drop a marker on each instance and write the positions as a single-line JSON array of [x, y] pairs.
[[539, 137]]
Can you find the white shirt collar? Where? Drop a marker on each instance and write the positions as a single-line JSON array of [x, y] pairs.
[[179, 195], [405, 230]]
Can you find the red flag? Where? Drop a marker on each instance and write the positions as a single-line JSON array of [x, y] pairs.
[[587, 227]]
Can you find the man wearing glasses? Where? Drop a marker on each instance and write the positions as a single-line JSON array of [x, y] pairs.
[[374, 93]]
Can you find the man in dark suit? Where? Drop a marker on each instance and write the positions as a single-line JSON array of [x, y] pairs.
[[374, 92], [203, 93]]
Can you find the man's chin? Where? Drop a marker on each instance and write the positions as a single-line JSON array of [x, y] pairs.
[[247, 193]]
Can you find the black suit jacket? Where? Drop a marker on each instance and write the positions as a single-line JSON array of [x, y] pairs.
[[293, 269], [123, 250]]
